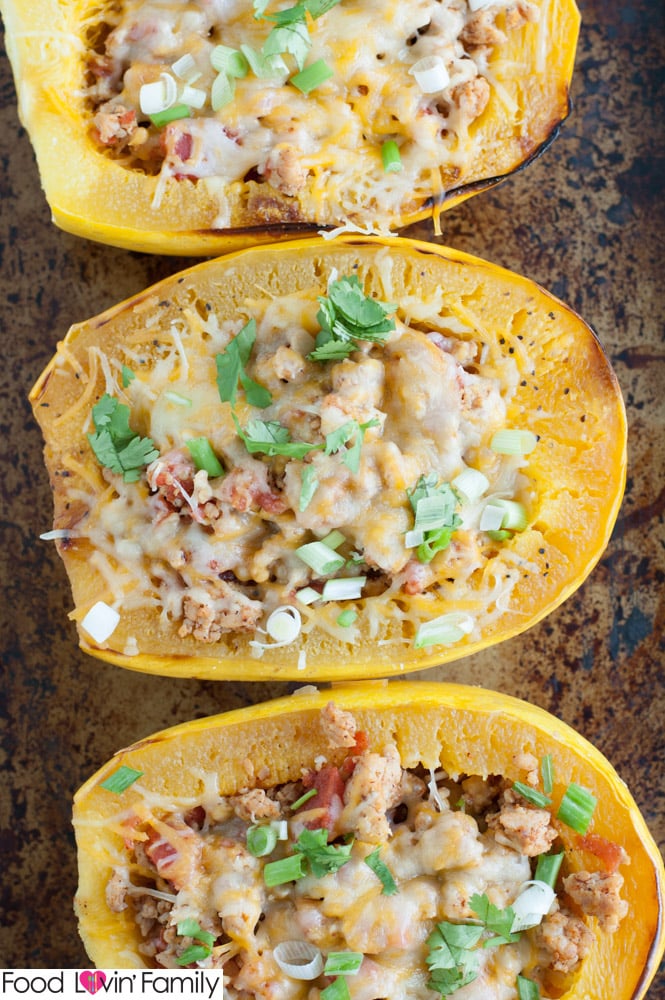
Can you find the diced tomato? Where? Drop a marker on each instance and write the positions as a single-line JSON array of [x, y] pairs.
[[610, 854], [329, 797]]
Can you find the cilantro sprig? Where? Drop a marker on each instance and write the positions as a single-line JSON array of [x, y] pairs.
[[269, 437], [312, 855], [322, 857], [498, 922], [348, 316], [115, 444], [454, 958]]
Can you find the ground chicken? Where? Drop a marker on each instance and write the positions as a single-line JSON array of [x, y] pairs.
[[597, 894]]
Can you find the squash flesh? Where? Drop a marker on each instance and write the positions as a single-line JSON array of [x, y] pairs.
[[98, 198], [576, 481], [464, 730]]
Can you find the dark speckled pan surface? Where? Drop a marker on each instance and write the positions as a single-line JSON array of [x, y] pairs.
[[587, 222]]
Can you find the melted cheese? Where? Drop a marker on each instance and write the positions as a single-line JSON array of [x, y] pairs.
[[432, 417], [324, 148]]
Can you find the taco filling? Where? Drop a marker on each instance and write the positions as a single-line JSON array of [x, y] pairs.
[[367, 880], [316, 455], [320, 110]]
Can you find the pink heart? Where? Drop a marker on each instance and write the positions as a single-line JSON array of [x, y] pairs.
[[92, 981]]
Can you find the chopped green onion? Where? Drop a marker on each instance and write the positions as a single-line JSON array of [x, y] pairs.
[[281, 828], [204, 457], [338, 990], [532, 795], [261, 840], [346, 617], [303, 798], [514, 514], [413, 538], [343, 963], [527, 989], [284, 624], [547, 773], [444, 630], [390, 157], [127, 376], [121, 779], [343, 589], [285, 870], [382, 872], [195, 953], [190, 928], [436, 541], [308, 595], [299, 959], [432, 512], [576, 808], [230, 61], [513, 442], [319, 557], [548, 867], [185, 68], [532, 904], [265, 67], [430, 74], [170, 115], [334, 539], [499, 536], [491, 518], [293, 38], [312, 76], [471, 483], [222, 92], [175, 397]]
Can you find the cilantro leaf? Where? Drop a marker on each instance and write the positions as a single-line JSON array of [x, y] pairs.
[[271, 438], [321, 856], [498, 921], [447, 942], [331, 350], [319, 7], [452, 962], [127, 376], [115, 444], [436, 541], [231, 364], [346, 316], [336, 440], [382, 872], [308, 485], [449, 981]]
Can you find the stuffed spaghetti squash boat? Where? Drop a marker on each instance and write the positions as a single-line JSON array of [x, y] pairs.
[[204, 126], [406, 840], [357, 457]]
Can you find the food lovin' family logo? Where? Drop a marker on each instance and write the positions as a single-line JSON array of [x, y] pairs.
[[147, 983]]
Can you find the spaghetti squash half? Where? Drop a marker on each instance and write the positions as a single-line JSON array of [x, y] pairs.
[[407, 841], [328, 459], [205, 126]]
